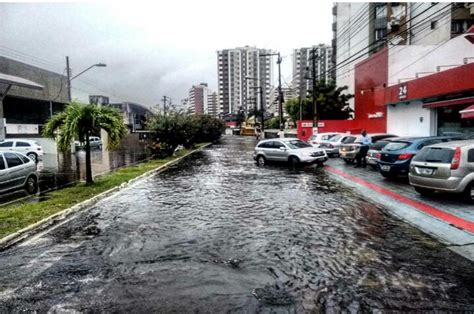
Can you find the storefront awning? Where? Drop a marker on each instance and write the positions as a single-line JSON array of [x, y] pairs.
[[467, 113], [451, 102]]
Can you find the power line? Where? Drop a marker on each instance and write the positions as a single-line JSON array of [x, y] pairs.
[[376, 43]]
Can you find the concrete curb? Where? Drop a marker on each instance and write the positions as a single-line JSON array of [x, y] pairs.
[[56, 218]]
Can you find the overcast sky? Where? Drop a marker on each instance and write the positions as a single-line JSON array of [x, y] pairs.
[[155, 49]]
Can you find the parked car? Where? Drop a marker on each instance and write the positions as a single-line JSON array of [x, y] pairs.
[[17, 171], [447, 167], [316, 139], [28, 147], [395, 158], [94, 142], [351, 147], [372, 154], [290, 150], [332, 145]]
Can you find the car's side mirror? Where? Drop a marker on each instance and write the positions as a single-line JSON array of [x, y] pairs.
[[282, 148]]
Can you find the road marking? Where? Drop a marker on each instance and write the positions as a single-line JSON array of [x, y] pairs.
[[430, 210]]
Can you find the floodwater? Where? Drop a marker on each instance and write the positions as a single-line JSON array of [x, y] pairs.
[[216, 233]]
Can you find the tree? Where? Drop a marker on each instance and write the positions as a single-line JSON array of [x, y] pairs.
[[332, 102], [79, 121]]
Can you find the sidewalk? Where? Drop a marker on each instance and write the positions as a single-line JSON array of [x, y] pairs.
[[445, 216]]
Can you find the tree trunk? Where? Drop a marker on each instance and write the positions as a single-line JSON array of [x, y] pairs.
[[88, 162]]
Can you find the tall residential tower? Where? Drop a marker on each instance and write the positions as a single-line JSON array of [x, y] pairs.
[[241, 71]]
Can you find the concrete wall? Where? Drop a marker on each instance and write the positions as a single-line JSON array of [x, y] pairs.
[[421, 33], [54, 84], [406, 61], [410, 119], [352, 37]]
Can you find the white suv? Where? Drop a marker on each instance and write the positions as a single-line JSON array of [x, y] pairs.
[[27, 147]]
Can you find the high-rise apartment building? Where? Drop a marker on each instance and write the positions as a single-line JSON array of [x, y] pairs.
[[241, 73], [303, 65], [197, 99], [362, 29], [212, 104]]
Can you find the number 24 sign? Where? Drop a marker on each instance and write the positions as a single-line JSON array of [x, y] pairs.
[[402, 91]]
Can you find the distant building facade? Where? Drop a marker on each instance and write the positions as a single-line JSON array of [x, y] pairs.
[[213, 104], [134, 115], [303, 65], [197, 99], [240, 71], [26, 110]]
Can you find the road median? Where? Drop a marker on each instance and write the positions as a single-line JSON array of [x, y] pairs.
[[18, 221]]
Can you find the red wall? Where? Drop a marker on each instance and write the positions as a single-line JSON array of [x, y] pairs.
[[371, 77], [449, 81]]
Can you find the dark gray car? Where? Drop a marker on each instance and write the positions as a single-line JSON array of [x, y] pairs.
[[17, 171]]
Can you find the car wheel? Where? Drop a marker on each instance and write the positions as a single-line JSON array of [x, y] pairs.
[[469, 193], [31, 185], [424, 192], [33, 157], [294, 161], [261, 161]]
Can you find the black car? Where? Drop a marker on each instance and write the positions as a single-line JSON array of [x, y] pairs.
[[394, 159]]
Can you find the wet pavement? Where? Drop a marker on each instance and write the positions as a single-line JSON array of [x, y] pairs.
[[216, 233]]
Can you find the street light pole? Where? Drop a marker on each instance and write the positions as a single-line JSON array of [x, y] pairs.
[[262, 107], [280, 96], [69, 78], [313, 77]]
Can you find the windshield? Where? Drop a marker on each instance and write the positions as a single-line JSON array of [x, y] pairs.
[[295, 144], [335, 138], [349, 140], [379, 145], [396, 146]]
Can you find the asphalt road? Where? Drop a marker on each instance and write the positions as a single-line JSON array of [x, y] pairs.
[[217, 233]]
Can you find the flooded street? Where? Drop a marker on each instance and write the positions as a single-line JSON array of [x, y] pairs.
[[216, 233]]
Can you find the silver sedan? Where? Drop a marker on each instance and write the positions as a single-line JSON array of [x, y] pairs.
[[17, 171]]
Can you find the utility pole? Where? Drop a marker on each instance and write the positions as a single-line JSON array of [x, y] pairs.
[[262, 110], [164, 105], [313, 77], [68, 70], [280, 96]]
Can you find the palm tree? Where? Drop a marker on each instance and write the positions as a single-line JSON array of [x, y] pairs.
[[79, 121]]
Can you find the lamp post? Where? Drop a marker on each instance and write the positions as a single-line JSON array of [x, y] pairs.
[[69, 78], [280, 96], [262, 107], [313, 92]]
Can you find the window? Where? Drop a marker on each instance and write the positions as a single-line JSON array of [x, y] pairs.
[[349, 140], [470, 155], [22, 144], [295, 144], [24, 158], [380, 11], [6, 144], [380, 33], [13, 160], [2, 163], [277, 145], [435, 154], [266, 145], [434, 24], [397, 146]]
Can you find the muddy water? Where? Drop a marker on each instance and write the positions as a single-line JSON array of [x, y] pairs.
[[218, 234]]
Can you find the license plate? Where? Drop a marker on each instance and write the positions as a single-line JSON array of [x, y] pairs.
[[385, 168], [425, 171]]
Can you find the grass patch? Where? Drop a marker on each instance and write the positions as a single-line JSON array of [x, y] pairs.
[[17, 216]]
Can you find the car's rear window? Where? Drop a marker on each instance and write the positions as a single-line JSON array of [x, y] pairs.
[[349, 140], [379, 145], [396, 146], [435, 154], [297, 144], [335, 138]]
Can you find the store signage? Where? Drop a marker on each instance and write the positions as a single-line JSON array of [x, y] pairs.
[[321, 124], [402, 92], [307, 124], [375, 115]]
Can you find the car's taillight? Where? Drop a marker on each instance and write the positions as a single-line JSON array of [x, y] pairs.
[[330, 146], [456, 159], [404, 156], [378, 155], [314, 142]]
